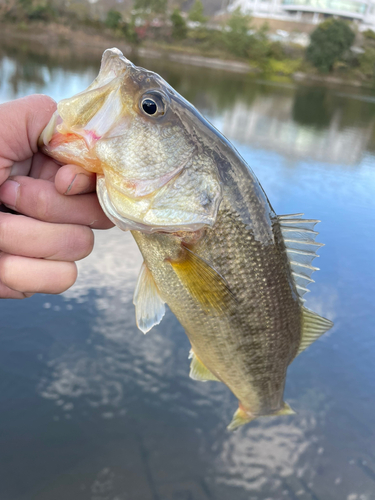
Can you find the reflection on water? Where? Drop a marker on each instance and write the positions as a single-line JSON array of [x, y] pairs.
[[93, 409], [288, 125]]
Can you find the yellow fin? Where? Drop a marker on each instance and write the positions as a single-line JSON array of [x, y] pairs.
[[241, 417], [313, 326], [204, 284], [285, 410], [198, 371], [149, 306]]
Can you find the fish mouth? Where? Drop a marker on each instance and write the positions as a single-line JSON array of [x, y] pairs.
[[96, 113]]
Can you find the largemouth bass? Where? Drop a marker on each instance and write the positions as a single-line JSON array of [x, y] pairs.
[[230, 269]]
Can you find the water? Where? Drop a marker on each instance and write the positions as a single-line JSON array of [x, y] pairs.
[[91, 409]]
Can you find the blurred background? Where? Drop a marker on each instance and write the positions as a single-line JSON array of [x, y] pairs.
[[92, 409]]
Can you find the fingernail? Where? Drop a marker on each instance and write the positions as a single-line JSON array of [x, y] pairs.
[[80, 184], [9, 193]]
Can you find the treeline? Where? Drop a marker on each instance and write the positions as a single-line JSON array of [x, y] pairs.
[[154, 23]]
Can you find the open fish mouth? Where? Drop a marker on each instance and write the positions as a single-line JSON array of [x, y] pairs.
[[94, 114]]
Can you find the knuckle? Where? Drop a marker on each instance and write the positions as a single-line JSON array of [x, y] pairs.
[[5, 227], [7, 276], [87, 241], [80, 241], [69, 276], [43, 208]]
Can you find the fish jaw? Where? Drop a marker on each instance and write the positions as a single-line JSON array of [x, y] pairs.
[[84, 119]]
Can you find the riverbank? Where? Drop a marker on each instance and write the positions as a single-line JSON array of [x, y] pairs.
[[89, 44]]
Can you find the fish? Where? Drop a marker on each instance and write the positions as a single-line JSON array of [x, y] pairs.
[[232, 271]]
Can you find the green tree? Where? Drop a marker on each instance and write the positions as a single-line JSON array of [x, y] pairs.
[[113, 19], [369, 34], [367, 62], [328, 44], [179, 29], [236, 36], [196, 13], [152, 6], [129, 31]]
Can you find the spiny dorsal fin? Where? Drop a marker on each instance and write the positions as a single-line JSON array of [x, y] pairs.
[[149, 307], [198, 371], [313, 326], [299, 238], [203, 282]]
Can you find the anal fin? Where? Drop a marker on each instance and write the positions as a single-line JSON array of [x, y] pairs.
[[198, 371], [149, 306], [203, 282], [240, 417]]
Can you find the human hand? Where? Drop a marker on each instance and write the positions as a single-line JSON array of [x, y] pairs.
[[38, 248]]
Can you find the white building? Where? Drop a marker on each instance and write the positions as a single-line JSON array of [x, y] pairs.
[[309, 11]]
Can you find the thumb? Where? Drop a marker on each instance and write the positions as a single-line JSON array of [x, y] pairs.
[[21, 123]]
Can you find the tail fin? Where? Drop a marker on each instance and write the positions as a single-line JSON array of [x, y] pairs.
[[241, 417]]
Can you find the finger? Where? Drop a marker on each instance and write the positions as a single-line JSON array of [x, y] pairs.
[[42, 167], [21, 123], [8, 293], [71, 179], [20, 235], [26, 275], [39, 199], [39, 166]]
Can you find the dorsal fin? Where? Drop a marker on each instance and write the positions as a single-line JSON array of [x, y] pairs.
[[313, 326], [299, 238]]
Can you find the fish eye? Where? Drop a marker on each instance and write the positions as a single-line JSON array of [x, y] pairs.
[[149, 106], [153, 104]]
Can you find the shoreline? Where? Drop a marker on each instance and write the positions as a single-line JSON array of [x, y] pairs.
[[91, 44], [94, 44]]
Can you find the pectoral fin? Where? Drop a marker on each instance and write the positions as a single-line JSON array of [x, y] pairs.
[[149, 306], [204, 284], [198, 371]]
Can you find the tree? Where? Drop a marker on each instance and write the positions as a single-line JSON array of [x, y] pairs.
[[367, 62], [179, 29], [113, 19], [328, 44], [152, 6], [236, 34], [196, 13]]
